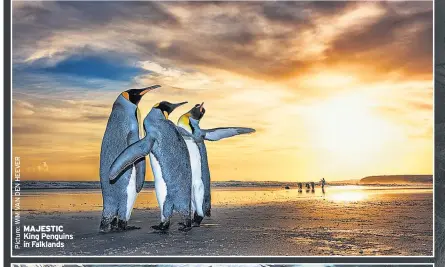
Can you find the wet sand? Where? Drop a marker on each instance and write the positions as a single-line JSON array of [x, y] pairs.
[[353, 222]]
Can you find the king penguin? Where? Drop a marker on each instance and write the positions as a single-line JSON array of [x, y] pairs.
[[170, 163], [123, 129], [194, 136]]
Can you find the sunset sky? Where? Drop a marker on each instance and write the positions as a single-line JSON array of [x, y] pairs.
[[339, 90]]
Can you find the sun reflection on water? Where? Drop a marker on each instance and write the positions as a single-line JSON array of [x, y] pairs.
[[348, 196]]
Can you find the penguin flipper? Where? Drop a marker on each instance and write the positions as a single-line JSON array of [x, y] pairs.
[[225, 132], [183, 132], [130, 155], [140, 165]]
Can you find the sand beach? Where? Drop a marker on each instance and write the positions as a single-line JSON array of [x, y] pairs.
[[346, 220]]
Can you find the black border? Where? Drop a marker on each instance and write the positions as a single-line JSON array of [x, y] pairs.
[[439, 144], [439, 193], [7, 131]]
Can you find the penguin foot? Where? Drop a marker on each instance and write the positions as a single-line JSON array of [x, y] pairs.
[[184, 228], [132, 227], [107, 225], [197, 220], [104, 230], [128, 228], [123, 226], [186, 225], [114, 224], [163, 226], [157, 227]]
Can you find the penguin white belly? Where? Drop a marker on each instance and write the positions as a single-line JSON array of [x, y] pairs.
[[160, 185], [197, 184], [131, 193]]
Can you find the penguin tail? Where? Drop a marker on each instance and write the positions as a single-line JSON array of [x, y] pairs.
[[129, 156]]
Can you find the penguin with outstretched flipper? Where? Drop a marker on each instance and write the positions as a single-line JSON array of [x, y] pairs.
[[188, 124]]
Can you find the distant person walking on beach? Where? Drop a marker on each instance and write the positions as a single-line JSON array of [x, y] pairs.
[[323, 182], [300, 187], [313, 186]]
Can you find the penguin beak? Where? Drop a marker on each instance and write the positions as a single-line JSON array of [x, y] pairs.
[[201, 107], [174, 106], [148, 89]]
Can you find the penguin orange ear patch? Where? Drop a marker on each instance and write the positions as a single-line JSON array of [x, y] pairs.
[[126, 95], [156, 105], [165, 114]]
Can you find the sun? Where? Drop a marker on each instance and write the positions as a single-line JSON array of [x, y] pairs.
[[345, 128]]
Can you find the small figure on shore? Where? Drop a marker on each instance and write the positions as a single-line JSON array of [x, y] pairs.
[[300, 187], [323, 182], [313, 186]]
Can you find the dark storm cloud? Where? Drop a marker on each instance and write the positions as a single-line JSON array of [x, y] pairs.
[[33, 22], [381, 32], [98, 13], [261, 39], [286, 12], [395, 41], [238, 58], [331, 7], [298, 13], [72, 14]]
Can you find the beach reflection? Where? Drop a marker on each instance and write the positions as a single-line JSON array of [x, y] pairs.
[[91, 200], [348, 196]]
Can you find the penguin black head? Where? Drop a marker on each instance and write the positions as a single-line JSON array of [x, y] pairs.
[[135, 95], [167, 107], [198, 111]]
